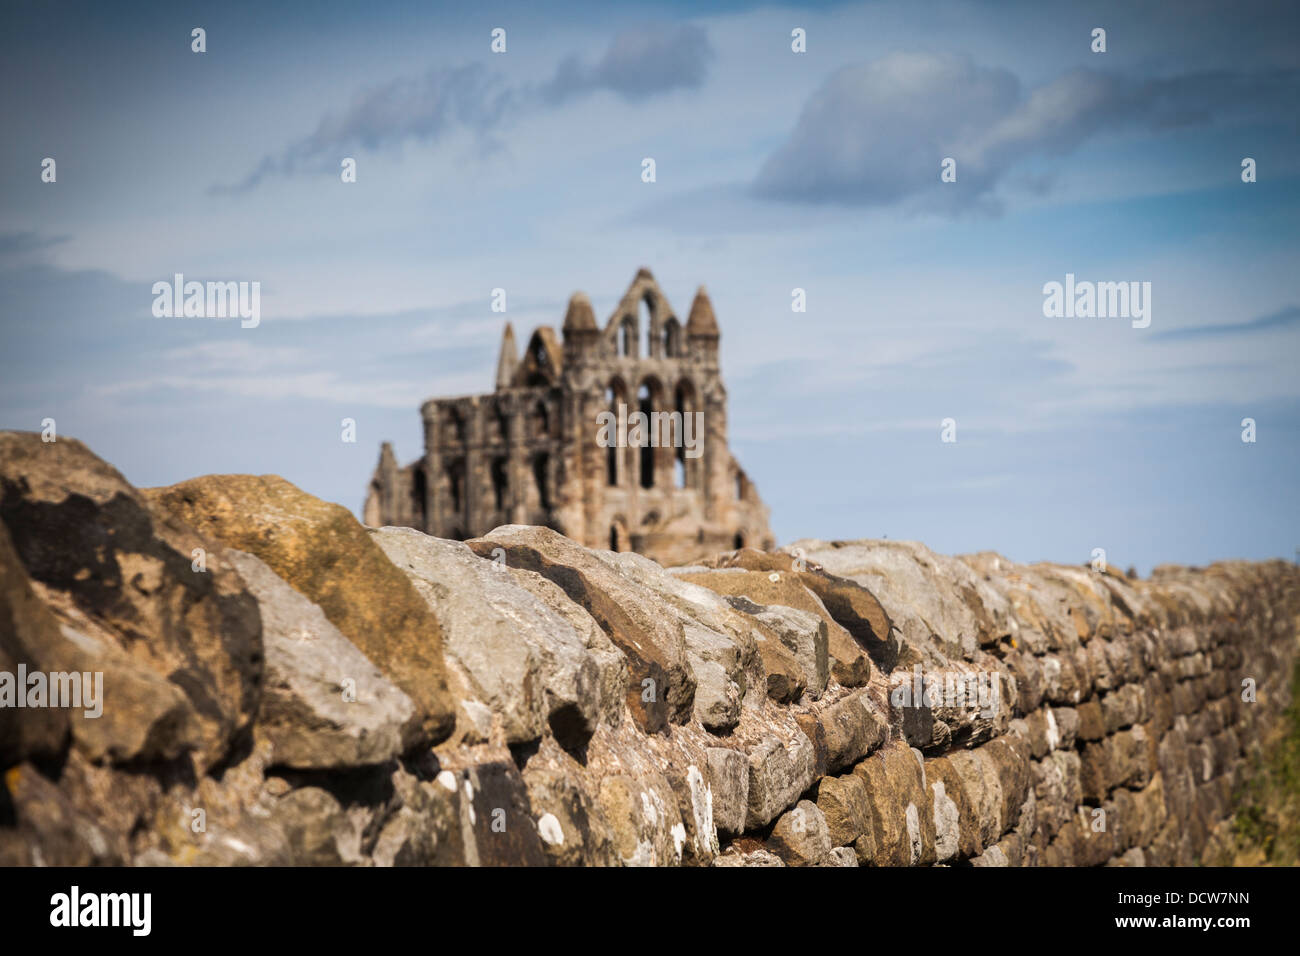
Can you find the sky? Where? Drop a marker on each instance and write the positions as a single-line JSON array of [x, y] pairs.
[[775, 170]]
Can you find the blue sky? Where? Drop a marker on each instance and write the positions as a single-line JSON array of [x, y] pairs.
[[775, 170]]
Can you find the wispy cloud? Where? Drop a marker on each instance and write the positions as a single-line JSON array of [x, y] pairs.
[[875, 133], [1282, 319], [27, 242], [640, 63], [420, 109], [652, 59], [314, 386]]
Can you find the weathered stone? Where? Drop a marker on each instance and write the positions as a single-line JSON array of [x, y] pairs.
[[324, 704], [802, 634], [526, 662], [1091, 724], [786, 680], [121, 579], [319, 831], [1010, 757], [571, 828], [722, 644], [864, 848], [951, 705], [1028, 673], [1058, 789], [424, 828], [902, 820], [852, 729], [959, 836], [1066, 720], [496, 816], [850, 662], [644, 820], [848, 603], [858, 611], [1123, 707], [778, 773], [983, 788], [695, 806], [1155, 748], [844, 806], [842, 856], [947, 823], [51, 830], [729, 782], [28, 636], [321, 551], [733, 856], [929, 598], [800, 837], [661, 688]]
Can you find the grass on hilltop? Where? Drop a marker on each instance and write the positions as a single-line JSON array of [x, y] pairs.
[[1266, 829]]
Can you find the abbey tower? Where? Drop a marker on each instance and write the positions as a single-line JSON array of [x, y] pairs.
[[533, 451]]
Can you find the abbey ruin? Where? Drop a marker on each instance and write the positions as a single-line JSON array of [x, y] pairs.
[[534, 451]]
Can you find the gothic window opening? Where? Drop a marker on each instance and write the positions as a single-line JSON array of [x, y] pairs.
[[541, 371], [646, 404], [615, 396], [540, 422], [454, 428], [672, 339], [685, 405], [456, 485], [500, 483], [645, 312], [500, 426], [541, 468], [419, 486]]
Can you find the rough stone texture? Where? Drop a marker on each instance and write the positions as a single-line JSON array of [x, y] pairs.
[[729, 783], [527, 663], [180, 650], [766, 579], [901, 811], [28, 634], [661, 686], [845, 807], [778, 772], [800, 837], [736, 857], [322, 552], [324, 705], [725, 648], [802, 634], [1116, 735], [851, 728]]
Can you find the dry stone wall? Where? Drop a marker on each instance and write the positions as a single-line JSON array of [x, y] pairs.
[[1125, 710], [284, 686]]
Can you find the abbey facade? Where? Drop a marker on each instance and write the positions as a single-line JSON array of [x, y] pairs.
[[538, 450]]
